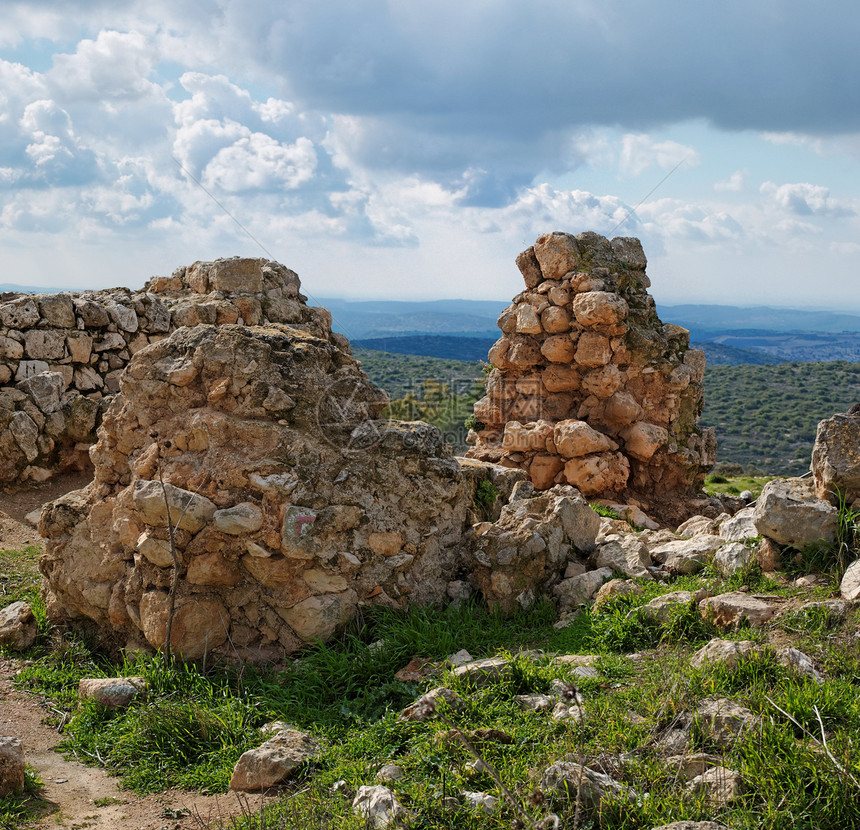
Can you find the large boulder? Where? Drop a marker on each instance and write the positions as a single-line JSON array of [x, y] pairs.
[[836, 459], [789, 512]]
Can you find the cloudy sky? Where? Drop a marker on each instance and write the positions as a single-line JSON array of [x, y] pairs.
[[405, 149]]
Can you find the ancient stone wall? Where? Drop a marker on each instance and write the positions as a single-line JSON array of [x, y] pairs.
[[588, 386], [61, 355]]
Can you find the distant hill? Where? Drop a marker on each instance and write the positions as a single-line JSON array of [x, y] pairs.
[[705, 320], [429, 345]]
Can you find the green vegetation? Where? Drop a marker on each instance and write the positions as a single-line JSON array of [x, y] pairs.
[[18, 808], [765, 416], [485, 497], [736, 485], [195, 723]]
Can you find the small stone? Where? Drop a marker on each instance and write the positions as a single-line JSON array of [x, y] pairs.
[[732, 558], [389, 772], [574, 782], [615, 589], [795, 659], [379, 807], [719, 784], [483, 672], [723, 720], [481, 801], [728, 653], [534, 702], [734, 607], [459, 658], [425, 707], [850, 585], [273, 762], [112, 692], [18, 626], [238, 520]]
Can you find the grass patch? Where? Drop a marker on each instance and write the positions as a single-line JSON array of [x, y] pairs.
[[20, 808], [735, 485]]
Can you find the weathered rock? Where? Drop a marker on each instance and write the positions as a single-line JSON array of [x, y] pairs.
[[719, 785], [389, 772], [535, 702], [688, 766], [768, 555], [573, 782], [12, 765], [723, 721], [740, 526], [733, 558], [661, 608], [615, 589], [112, 692], [789, 512], [481, 801], [733, 608], [796, 660], [516, 557], [273, 762], [624, 554], [850, 585], [18, 626], [836, 459], [728, 653], [583, 350], [579, 589], [482, 672], [686, 556], [379, 807]]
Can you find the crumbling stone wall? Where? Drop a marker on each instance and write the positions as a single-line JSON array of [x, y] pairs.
[[61, 355], [588, 386]]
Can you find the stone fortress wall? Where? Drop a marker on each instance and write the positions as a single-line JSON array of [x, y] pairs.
[[61, 355], [588, 386]]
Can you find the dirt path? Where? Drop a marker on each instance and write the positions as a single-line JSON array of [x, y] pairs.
[[76, 796]]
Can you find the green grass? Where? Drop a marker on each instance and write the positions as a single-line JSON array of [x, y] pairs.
[[735, 485], [193, 725], [20, 808]]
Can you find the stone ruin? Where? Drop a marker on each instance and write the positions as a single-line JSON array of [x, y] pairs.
[[588, 387], [62, 355], [252, 430]]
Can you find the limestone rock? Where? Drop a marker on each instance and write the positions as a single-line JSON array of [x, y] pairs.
[[723, 720], [481, 801], [728, 653], [836, 459], [719, 785], [789, 512], [112, 692], [734, 607], [481, 672], [850, 585], [795, 659], [740, 526], [661, 608], [570, 781], [577, 590], [18, 627], [583, 352], [615, 589], [273, 762], [732, 558], [425, 707], [517, 556], [379, 807], [686, 556], [12, 765], [625, 554]]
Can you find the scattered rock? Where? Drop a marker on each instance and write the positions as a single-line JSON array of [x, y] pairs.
[[481, 801], [579, 589], [624, 554], [18, 626], [12, 765], [733, 558], [722, 720], [615, 589], [112, 692], [795, 659], [415, 670], [689, 766], [728, 653], [389, 772], [769, 555], [570, 781], [482, 672], [686, 556], [836, 458], [661, 608], [719, 785], [735, 607], [460, 658], [672, 742], [697, 526], [850, 585], [273, 762], [739, 527], [379, 807], [425, 707], [535, 702], [789, 512]]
